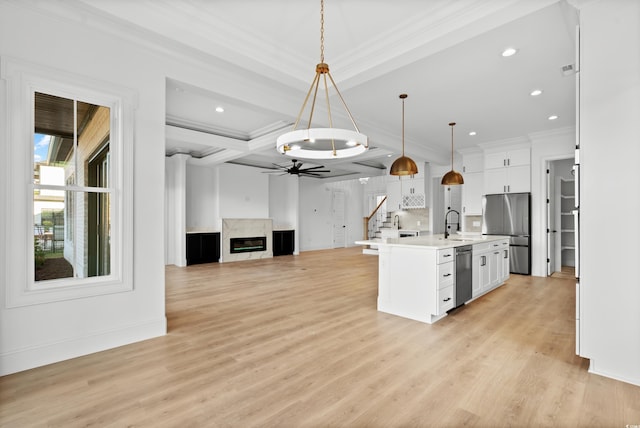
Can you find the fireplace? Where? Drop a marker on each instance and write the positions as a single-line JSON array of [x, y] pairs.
[[248, 245], [246, 239]]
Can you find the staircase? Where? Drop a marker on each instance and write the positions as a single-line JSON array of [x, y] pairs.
[[372, 249]]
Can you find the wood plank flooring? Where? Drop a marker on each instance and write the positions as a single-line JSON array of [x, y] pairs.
[[296, 341]]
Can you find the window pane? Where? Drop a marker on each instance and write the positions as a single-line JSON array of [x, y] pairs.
[[66, 129], [53, 143], [72, 234]]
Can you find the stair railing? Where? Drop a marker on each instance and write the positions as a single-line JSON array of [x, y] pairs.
[[367, 219]]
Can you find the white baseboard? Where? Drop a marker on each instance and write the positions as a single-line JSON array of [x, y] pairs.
[[36, 356]]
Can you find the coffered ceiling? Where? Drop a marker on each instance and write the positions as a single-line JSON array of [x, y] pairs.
[[445, 55]]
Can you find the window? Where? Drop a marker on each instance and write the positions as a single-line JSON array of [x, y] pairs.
[[76, 229], [71, 188]]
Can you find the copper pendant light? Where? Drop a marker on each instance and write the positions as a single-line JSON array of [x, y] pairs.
[[452, 178], [403, 165]]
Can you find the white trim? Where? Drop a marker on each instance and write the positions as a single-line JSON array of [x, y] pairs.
[[23, 79], [36, 356]]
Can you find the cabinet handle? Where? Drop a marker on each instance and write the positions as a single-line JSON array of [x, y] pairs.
[[447, 299], [495, 245], [508, 162], [446, 275], [497, 252], [504, 189], [508, 188], [504, 162], [483, 260], [447, 255], [506, 254]]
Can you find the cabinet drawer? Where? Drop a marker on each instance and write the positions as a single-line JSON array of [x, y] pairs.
[[445, 299], [445, 255], [481, 248], [445, 274]]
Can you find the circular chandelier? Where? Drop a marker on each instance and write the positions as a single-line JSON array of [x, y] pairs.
[[322, 143]]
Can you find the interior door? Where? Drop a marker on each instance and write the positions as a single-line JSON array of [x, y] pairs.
[[339, 226], [551, 256]]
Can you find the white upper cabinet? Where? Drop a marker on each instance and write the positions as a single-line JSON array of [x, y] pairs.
[[472, 163], [409, 192], [472, 191], [501, 159], [507, 171], [394, 195], [473, 188]]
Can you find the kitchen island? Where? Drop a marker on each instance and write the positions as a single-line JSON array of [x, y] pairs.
[[417, 275]]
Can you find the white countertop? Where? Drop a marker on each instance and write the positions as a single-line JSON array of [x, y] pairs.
[[433, 241]]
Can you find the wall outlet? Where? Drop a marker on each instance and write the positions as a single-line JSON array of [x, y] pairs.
[[418, 222], [476, 224]]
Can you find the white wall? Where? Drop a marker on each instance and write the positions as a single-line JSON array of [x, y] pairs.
[[202, 208], [40, 334], [610, 183], [244, 192], [283, 201]]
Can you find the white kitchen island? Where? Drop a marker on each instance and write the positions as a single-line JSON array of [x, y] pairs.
[[416, 275]]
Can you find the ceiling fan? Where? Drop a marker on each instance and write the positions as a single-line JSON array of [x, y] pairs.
[[295, 169]]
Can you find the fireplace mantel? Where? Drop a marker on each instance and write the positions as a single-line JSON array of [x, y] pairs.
[[245, 228]]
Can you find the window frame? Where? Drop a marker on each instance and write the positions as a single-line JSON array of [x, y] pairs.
[[22, 81]]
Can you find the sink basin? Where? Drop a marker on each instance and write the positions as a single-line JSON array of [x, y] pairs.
[[456, 239]]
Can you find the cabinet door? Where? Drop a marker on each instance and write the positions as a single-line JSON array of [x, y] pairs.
[[519, 179], [495, 160], [472, 163], [475, 275], [485, 272], [394, 195], [519, 157], [194, 254], [495, 181], [472, 193], [495, 267], [504, 274], [413, 194]]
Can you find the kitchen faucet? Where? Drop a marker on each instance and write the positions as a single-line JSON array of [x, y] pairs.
[[446, 224], [396, 221]]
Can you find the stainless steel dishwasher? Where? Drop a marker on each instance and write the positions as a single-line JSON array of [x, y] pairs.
[[463, 275]]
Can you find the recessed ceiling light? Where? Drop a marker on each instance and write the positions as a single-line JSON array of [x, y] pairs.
[[536, 92], [553, 117], [220, 109], [509, 52], [472, 133]]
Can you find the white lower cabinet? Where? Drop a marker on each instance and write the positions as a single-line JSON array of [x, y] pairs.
[[490, 266], [446, 280]]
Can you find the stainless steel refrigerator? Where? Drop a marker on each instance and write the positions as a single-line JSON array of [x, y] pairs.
[[510, 214]]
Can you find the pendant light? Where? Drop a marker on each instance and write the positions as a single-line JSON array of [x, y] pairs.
[[403, 165], [452, 177], [322, 143]]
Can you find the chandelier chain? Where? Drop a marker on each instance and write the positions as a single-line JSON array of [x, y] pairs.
[[322, 31]]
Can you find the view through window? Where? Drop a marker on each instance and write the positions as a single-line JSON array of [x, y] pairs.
[[72, 193]]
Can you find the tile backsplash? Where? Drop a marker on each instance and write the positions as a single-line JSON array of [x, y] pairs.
[[472, 223], [414, 219]]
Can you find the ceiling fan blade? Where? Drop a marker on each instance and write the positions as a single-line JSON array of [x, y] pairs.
[[314, 171], [314, 167]]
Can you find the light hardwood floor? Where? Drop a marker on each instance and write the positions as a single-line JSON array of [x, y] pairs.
[[296, 341]]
